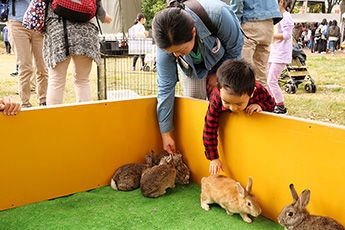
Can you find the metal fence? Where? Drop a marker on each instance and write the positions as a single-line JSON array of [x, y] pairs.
[[117, 80]]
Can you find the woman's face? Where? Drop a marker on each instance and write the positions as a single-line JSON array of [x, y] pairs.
[[183, 49]]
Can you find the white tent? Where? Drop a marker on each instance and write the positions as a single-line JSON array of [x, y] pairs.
[[123, 13]]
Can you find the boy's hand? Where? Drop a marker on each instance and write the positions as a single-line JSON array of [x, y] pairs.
[[215, 166], [253, 108]]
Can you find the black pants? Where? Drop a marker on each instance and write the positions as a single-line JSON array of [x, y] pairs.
[[136, 58], [8, 47]]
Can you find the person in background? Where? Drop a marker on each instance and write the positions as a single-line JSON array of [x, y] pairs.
[[323, 39], [8, 106], [312, 43], [281, 54], [5, 37], [27, 45], [257, 19], [83, 48], [333, 35], [184, 41], [326, 35], [236, 91], [138, 31]]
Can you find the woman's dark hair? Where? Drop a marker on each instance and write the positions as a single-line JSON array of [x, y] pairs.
[[287, 4], [329, 23], [334, 23], [237, 76], [139, 17], [324, 21], [172, 26]]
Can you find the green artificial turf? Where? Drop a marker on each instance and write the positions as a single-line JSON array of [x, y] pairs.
[[104, 208]]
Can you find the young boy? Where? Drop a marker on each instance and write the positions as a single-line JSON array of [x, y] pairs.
[[236, 91]]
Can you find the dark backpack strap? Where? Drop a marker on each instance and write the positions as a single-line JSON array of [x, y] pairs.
[[197, 8], [65, 36], [13, 9]]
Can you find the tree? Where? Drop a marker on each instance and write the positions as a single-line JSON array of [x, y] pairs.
[[331, 3], [150, 8]]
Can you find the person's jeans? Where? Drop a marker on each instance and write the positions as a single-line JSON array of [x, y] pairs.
[[332, 45]]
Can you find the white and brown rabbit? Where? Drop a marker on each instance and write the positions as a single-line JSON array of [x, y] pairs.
[[127, 177], [182, 170], [295, 216], [230, 195], [154, 181]]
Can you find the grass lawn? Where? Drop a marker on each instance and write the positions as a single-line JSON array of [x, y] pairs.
[[327, 104]]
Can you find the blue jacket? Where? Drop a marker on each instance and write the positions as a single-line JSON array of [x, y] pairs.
[[256, 10], [20, 7], [215, 50]]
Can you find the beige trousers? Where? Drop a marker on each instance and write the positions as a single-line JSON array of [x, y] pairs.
[[81, 78], [256, 48], [27, 46]]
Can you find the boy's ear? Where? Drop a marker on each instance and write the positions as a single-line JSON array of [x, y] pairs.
[[253, 92]]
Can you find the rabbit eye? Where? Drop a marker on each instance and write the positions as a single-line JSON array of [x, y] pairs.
[[249, 204], [290, 214]]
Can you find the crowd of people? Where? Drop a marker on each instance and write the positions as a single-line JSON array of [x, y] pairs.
[[319, 37]]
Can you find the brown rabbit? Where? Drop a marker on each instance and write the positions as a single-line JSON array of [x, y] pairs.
[[127, 177], [230, 195], [295, 216], [154, 181], [182, 170]]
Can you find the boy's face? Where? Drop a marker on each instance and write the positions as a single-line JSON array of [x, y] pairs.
[[233, 102]]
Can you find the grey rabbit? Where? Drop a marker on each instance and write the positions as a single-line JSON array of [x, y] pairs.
[[154, 181], [127, 177], [182, 170], [295, 216]]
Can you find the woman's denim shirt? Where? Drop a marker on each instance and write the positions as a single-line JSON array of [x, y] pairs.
[[256, 10], [215, 50]]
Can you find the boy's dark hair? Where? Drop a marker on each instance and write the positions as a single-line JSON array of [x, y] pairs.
[[172, 26], [237, 76]]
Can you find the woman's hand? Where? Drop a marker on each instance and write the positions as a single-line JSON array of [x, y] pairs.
[[107, 20], [168, 143], [9, 106]]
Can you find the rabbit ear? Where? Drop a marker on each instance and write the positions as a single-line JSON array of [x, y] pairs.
[[241, 190], [293, 193], [303, 200], [249, 185], [148, 160]]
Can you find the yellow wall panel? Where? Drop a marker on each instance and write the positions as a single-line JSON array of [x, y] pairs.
[[275, 151], [51, 152]]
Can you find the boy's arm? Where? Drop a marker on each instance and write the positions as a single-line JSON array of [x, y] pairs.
[[263, 98], [211, 126]]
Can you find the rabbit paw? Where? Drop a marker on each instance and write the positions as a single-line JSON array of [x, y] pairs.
[[245, 217], [205, 206], [229, 213]]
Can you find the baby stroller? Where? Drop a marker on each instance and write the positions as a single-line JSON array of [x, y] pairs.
[[297, 72]]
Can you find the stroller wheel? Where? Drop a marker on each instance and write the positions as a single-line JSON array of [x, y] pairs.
[[290, 88], [314, 88], [308, 88]]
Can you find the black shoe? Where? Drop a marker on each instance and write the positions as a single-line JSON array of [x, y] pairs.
[[14, 74], [278, 110], [43, 104]]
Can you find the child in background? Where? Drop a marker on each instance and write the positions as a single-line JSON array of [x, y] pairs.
[[236, 91], [281, 54], [138, 31]]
